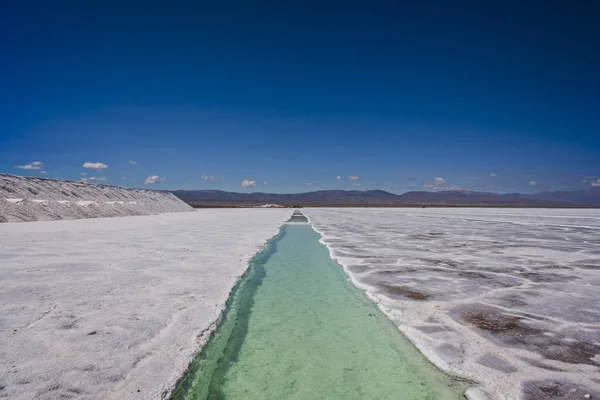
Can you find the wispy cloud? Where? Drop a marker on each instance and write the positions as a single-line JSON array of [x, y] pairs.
[[154, 179], [440, 183], [207, 178], [43, 172], [532, 183], [131, 162], [593, 181], [31, 165], [356, 184], [347, 178], [93, 179], [248, 183], [95, 165], [493, 174]]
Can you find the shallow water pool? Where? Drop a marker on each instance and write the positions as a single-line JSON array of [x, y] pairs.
[[295, 328]]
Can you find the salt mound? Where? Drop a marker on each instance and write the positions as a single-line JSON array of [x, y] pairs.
[[34, 199]]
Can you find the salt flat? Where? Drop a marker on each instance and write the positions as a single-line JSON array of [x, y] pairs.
[[114, 308], [509, 298]]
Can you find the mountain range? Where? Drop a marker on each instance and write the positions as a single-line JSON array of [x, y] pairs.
[[381, 198]]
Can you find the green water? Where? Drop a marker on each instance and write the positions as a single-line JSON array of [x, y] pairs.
[[297, 329]]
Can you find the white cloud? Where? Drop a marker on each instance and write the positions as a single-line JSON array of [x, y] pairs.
[[348, 178], [154, 179], [493, 174], [248, 183], [131, 162], [264, 183], [83, 173], [532, 183], [440, 181], [31, 165], [123, 177], [593, 181], [308, 184], [207, 178], [96, 165], [43, 172]]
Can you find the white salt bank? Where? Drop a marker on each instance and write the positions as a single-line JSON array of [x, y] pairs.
[[115, 308], [509, 298]]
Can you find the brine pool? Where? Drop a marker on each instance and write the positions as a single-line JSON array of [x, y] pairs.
[[296, 328]]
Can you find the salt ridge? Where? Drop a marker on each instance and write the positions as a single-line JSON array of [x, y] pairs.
[[33, 199]]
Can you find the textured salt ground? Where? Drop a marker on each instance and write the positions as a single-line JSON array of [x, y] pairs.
[[509, 298], [42, 199], [102, 308]]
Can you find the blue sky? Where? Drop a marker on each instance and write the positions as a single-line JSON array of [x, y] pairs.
[[289, 97]]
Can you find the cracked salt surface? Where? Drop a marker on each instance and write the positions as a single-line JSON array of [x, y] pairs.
[[509, 298], [115, 308]]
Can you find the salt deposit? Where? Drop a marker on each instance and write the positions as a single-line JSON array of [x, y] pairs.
[[509, 298], [115, 308], [33, 199]]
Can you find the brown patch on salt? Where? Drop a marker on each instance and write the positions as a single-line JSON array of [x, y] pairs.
[[491, 322], [513, 331], [405, 291]]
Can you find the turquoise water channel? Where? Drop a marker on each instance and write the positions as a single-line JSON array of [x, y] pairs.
[[295, 328]]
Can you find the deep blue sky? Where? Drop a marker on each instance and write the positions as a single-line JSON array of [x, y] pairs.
[[295, 94]]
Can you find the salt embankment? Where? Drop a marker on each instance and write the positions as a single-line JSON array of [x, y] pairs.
[[507, 297], [115, 308], [34, 199]]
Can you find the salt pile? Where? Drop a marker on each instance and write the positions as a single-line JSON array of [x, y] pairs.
[[33, 199]]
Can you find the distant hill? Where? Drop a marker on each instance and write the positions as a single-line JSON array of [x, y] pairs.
[[215, 198]]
